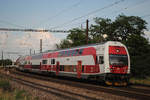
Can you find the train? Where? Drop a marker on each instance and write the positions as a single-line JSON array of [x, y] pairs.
[[107, 62]]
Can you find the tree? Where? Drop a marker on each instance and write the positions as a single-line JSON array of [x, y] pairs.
[[140, 65], [139, 50], [137, 45], [118, 30], [128, 25], [6, 62], [102, 27], [64, 44], [77, 36]]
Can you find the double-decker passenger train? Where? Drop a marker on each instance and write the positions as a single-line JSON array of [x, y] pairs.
[[108, 62]]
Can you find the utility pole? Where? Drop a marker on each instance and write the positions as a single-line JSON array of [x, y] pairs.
[[87, 29], [2, 58], [81, 27], [34, 51], [30, 52], [40, 45]]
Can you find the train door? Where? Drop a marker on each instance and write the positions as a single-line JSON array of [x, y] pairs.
[[101, 63], [53, 64], [57, 68], [79, 69], [44, 65]]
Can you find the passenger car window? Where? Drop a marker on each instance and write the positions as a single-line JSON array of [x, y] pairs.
[[101, 60], [44, 61], [52, 61]]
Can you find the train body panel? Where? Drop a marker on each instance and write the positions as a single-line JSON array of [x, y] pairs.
[[99, 61]]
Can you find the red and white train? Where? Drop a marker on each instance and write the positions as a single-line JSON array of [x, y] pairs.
[[108, 62]]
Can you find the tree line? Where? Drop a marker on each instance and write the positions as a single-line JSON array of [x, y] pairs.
[[5, 62], [126, 29]]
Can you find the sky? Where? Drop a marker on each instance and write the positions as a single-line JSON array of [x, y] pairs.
[[57, 15]]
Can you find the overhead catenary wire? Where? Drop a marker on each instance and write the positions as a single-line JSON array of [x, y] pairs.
[[73, 19], [50, 18], [88, 13], [12, 24], [130, 6], [33, 30], [59, 13], [92, 12], [144, 16], [124, 8]]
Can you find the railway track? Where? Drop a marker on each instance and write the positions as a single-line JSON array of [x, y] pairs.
[[66, 95], [129, 92]]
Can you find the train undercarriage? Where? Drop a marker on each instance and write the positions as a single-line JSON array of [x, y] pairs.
[[112, 79]]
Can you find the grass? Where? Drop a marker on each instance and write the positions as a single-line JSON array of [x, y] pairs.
[[5, 85], [7, 93], [14, 95], [145, 81]]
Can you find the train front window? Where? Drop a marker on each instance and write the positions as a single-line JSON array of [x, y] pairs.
[[118, 60]]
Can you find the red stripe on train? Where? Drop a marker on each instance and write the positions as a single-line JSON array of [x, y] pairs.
[[69, 53], [118, 70], [117, 50]]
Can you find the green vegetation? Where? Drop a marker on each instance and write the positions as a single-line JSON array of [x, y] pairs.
[[145, 81], [5, 85], [5, 62], [7, 93], [127, 29]]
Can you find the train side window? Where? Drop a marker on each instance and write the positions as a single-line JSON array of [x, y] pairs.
[[25, 62], [44, 61], [96, 60], [52, 61], [61, 67], [82, 68], [101, 60], [74, 69]]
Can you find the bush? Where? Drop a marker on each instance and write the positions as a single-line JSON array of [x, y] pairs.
[[5, 85], [140, 66], [20, 95], [8, 93]]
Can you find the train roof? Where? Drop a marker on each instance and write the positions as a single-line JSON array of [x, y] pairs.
[[82, 46]]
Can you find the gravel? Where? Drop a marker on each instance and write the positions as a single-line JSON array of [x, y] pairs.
[[68, 91]]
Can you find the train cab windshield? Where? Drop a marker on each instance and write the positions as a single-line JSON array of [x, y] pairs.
[[119, 60]]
